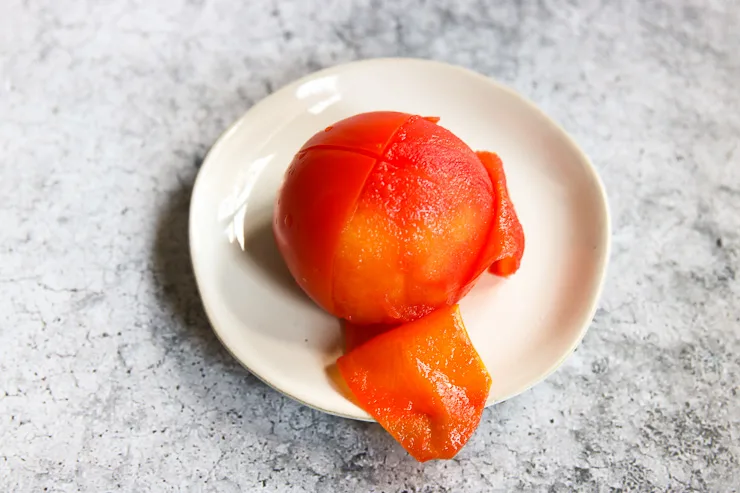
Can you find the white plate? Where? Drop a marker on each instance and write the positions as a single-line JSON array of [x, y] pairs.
[[523, 327]]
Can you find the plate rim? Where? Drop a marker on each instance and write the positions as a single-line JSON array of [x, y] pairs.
[[605, 232]]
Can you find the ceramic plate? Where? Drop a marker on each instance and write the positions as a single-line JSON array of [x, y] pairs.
[[523, 327]]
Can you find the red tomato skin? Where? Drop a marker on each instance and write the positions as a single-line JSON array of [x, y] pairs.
[[366, 133], [317, 199], [423, 382], [504, 250]]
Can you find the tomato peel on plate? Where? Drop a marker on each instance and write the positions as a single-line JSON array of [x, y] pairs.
[[505, 247], [423, 382]]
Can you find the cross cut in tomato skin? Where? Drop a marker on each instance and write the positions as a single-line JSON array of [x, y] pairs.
[[366, 133], [423, 382]]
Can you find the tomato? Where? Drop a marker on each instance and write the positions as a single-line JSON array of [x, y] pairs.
[[319, 196], [386, 220], [423, 382], [385, 217]]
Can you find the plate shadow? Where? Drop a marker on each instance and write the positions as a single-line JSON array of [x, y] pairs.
[[261, 248], [174, 276]]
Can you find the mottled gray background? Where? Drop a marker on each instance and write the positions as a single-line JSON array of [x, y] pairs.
[[110, 377]]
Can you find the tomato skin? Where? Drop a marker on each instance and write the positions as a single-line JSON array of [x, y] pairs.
[[366, 133], [423, 382], [505, 248], [317, 199]]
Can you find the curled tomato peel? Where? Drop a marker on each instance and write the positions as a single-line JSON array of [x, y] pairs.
[[423, 382]]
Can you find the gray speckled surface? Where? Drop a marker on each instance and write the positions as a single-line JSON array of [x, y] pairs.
[[109, 375]]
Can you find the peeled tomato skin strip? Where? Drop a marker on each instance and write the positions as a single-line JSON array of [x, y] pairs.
[[423, 382], [507, 234], [504, 247]]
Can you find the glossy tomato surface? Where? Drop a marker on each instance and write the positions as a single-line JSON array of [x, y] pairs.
[[385, 217], [423, 382]]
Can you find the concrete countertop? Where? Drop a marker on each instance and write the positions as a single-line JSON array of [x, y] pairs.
[[110, 377]]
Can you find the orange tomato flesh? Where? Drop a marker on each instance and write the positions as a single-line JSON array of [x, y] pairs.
[[423, 382], [420, 221]]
